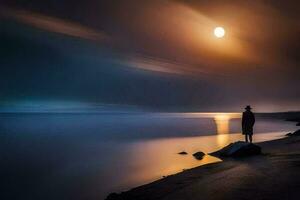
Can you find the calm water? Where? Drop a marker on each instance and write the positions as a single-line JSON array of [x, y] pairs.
[[87, 156]]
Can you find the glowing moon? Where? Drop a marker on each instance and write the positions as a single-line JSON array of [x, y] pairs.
[[219, 32]]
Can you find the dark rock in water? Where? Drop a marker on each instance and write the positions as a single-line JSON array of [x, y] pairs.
[[199, 155], [183, 153], [296, 133], [238, 149], [298, 124], [289, 134]]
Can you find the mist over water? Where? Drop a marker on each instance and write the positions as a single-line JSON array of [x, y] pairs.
[[87, 156]]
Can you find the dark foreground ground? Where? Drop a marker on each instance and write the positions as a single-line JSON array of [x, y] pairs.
[[273, 175]]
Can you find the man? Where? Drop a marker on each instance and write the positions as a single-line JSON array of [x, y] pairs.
[[248, 121]]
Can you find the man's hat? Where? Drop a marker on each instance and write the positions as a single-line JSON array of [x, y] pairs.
[[248, 107]]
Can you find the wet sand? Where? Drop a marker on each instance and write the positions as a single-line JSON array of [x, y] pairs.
[[273, 175]]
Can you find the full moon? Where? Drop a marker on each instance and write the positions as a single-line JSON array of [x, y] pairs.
[[219, 32]]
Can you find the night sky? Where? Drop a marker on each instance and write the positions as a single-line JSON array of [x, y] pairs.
[[159, 55]]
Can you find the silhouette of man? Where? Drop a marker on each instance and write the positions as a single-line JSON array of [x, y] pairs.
[[248, 121]]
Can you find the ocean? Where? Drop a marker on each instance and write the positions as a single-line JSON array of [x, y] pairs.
[[89, 155]]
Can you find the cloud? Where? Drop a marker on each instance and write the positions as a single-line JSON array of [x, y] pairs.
[[154, 65], [161, 65], [167, 37], [177, 35], [53, 24]]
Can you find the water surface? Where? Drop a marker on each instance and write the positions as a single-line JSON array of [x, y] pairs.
[[87, 156]]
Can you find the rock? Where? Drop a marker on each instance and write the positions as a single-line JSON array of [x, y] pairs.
[[289, 134], [182, 153], [296, 133], [238, 149], [298, 124], [199, 155]]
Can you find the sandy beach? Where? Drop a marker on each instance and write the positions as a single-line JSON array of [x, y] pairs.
[[273, 175]]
